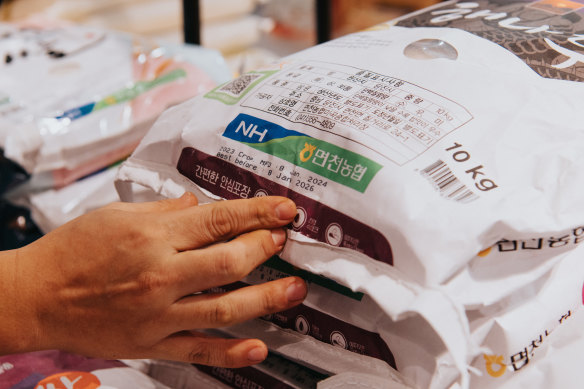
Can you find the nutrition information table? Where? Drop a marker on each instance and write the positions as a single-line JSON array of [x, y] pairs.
[[392, 117]]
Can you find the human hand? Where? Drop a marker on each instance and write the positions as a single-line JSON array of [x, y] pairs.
[[123, 281]]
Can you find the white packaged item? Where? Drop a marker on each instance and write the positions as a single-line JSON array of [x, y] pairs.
[[334, 315], [498, 272], [80, 99], [52, 208], [556, 367], [522, 330], [410, 150], [248, 127], [323, 357], [281, 373], [276, 372]]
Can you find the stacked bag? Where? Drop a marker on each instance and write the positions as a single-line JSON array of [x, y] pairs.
[[75, 101], [436, 164]]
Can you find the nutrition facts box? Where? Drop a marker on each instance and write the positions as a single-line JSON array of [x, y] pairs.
[[392, 117]]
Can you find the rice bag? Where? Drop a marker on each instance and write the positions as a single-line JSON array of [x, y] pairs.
[[522, 330], [274, 372], [384, 156], [428, 155], [335, 315], [558, 366]]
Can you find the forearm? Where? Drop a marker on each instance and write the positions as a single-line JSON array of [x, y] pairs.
[[17, 319]]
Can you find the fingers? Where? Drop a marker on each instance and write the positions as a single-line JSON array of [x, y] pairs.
[[185, 201], [225, 309], [224, 263], [190, 347], [210, 223]]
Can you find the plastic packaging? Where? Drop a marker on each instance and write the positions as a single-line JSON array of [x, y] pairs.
[[52, 208], [523, 329], [334, 315], [427, 156], [79, 99]]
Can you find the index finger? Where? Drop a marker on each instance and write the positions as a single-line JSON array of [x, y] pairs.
[[206, 224]]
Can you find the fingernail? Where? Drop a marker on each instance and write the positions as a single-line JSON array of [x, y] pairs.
[[257, 354], [279, 237], [296, 291], [286, 210]]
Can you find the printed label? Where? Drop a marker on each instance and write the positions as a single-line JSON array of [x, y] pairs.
[[343, 166], [561, 241], [396, 119], [545, 34], [315, 220], [495, 365]]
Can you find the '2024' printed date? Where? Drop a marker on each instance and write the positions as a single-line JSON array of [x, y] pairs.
[[311, 183]]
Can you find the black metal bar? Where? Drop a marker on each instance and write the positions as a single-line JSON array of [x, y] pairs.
[[191, 22], [323, 20]]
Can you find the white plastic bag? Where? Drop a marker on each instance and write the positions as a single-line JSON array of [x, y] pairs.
[[335, 316], [524, 329], [414, 151], [78, 99]]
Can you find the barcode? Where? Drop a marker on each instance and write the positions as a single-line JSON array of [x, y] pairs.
[[447, 184], [238, 86]]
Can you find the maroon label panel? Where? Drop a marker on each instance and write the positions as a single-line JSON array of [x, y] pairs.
[[314, 220], [326, 328]]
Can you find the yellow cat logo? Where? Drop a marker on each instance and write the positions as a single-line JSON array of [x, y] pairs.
[[491, 360], [307, 150]]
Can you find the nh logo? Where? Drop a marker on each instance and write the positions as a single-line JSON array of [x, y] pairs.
[[251, 130]]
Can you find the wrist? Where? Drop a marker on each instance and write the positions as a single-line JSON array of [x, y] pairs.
[[19, 331]]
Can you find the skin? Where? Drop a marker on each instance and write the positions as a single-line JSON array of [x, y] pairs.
[[123, 281]]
